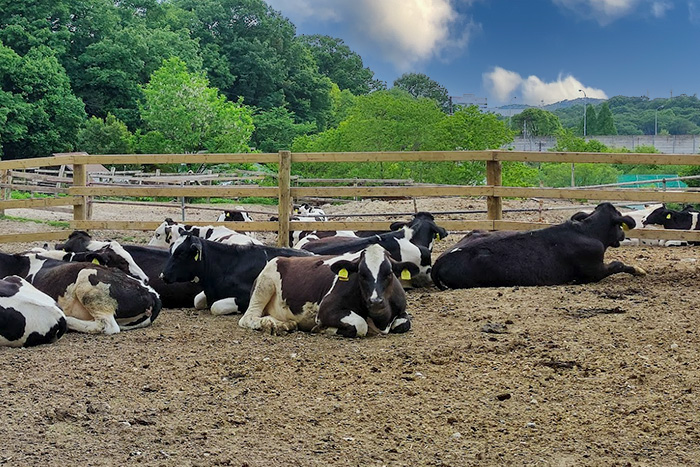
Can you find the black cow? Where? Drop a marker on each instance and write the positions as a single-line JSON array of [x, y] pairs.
[[687, 219], [225, 272], [560, 254], [152, 261], [28, 317], [234, 215], [346, 295], [94, 298]]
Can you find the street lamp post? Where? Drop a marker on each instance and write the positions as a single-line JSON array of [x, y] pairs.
[[585, 99], [656, 120]]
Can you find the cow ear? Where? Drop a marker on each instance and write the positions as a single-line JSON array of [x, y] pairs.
[[579, 216], [405, 270], [196, 248], [627, 221], [441, 233], [397, 225], [169, 221], [347, 266], [96, 258]]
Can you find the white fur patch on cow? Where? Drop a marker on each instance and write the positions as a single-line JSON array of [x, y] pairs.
[[694, 223], [200, 301], [35, 264], [398, 322], [90, 307], [358, 322], [225, 306]]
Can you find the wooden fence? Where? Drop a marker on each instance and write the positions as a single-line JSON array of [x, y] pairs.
[[79, 194]]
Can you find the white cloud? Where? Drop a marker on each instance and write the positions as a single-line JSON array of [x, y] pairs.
[[502, 83], [607, 11], [405, 32], [659, 9]]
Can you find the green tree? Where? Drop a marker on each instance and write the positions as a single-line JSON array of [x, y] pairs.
[[105, 136], [604, 121], [343, 66], [192, 116], [39, 112], [536, 122], [275, 129], [420, 85]]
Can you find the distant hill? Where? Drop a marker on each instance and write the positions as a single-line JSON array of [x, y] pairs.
[[678, 115]]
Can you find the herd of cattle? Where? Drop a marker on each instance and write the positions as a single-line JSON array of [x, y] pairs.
[[338, 282]]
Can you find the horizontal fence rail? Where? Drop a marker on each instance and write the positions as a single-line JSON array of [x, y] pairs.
[[81, 190]]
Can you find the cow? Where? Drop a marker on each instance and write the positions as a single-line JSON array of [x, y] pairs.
[[569, 252], [686, 219], [346, 295], [28, 317], [234, 215], [94, 245], [225, 272], [306, 210], [399, 243], [95, 299], [426, 231], [150, 259], [169, 231]]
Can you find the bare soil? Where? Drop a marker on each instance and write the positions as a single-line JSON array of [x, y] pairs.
[[601, 374]]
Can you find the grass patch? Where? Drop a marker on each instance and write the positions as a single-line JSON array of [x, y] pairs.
[[62, 224]]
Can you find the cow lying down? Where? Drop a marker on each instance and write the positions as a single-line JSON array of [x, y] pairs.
[[95, 299], [560, 254], [347, 295], [28, 316]]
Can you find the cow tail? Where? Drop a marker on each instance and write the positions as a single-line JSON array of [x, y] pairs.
[[434, 274]]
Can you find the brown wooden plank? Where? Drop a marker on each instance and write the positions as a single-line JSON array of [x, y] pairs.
[[39, 202], [230, 191], [21, 237], [392, 191], [111, 159], [600, 194]]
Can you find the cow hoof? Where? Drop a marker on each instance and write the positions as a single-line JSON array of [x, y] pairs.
[[639, 271], [401, 325], [274, 327]]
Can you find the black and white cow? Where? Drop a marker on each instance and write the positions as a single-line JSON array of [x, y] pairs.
[[346, 295], [225, 272], [150, 259], [94, 245], [94, 298], [687, 219], [169, 231], [570, 252], [397, 243], [234, 215], [306, 210], [425, 232], [28, 317]]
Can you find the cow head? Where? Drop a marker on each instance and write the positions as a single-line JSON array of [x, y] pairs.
[[185, 262], [423, 228], [78, 240], [660, 216], [606, 224], [375, 274], [236, 215], [163, 235]]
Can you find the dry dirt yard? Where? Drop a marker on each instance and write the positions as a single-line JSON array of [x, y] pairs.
[[601, 374]]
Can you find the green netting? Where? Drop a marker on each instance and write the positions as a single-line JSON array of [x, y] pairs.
[[650, 180]]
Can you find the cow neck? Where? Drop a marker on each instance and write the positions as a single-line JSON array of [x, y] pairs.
[[13, 265]]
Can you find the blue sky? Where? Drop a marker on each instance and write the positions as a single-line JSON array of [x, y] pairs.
[[538, 51]]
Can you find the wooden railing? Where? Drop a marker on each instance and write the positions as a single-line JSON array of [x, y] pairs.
[[80, 192]]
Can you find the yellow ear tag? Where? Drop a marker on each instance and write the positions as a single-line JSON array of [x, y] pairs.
[[343, 274], [406, 275], [668, 216], [437, 237], [196, 256], [95, 261], [625, 226]]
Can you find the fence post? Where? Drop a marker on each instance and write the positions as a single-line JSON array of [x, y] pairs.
[[494, 204], [4, 191], [284, 197], [80, 180]]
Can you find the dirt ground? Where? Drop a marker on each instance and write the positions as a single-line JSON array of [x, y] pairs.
[[602, 374]]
